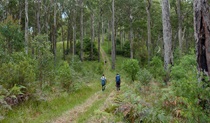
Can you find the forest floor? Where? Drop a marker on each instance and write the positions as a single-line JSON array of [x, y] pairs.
[[97, 103]]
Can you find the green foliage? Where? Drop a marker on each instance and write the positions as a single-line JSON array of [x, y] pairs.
[[140, 52], [4, 106], [191, 93], [87, 49], [131, 67], [11, 37], [65, 76], [18, 70], [44, 58], [99, 68], [17, 90], [144, 76], [156, 68]]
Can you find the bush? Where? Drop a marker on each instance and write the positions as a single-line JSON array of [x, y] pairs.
[[87, 49], [19, 70], [191, 93], [144, 76], [131, 67], [11, 36], [65, 76], [156, 68]]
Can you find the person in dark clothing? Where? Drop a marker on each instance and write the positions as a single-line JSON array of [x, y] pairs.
[[103, 82], [118, 81]]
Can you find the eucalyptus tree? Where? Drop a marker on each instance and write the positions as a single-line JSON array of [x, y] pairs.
[[167, 37], [54, 28], [179, 25], [26, 26], [202, 35], [81, 29], [99, 28], [113, 36], [148, 4], [92, 7]]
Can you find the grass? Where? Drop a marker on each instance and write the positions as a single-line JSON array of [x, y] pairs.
[[34, 112], [96, 105]]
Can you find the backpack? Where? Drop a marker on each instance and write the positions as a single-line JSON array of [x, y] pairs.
[[118, 78], [103, 81]]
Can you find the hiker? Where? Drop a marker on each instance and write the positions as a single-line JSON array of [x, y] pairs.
[[118, 81], [103, 82]]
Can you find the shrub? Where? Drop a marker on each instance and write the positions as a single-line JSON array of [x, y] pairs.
[[131, 67], [191, 93], [156, 68], [19, 70], [144, 76], [87, 49], [65, 76], [11, 36]]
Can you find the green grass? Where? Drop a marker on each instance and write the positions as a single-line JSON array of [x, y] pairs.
[[95, 106], [35, 113]]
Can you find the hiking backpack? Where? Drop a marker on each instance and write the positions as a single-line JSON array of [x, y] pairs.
[[103, 81], [118, 78]]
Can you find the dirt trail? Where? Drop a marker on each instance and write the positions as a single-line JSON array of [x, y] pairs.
[[72, 115]]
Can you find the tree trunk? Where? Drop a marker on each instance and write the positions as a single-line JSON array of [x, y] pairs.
[[38, 16], [92, 34], [68, 37], [113, 38], [81, 31], [20, 13], [74, 32], [121, 38], [26, 26], [167, 37], [131, 36], [63, 43], [102, 24], [148, 6], [54, 31], [99, 31], [179, 26], [202, 35]]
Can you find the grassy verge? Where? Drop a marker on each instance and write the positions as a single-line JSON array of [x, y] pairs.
[[95, 106], [34, 112]]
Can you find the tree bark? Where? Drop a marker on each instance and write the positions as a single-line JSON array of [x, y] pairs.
[[68, 36], [38, 16], [148, 6], [54, 31], [81, 30], [102, 24], [113, 37], [26, 26], [74, 32], [179, 26], [63, 43], [167, 37], [131, 37], [99, 31], [202, 35], [92, 34]]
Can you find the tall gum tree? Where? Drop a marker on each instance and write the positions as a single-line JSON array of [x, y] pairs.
[[179, 26], [113, 37], [26, 26], [148, 4], [81, 30], [202, 35], [167, 37]]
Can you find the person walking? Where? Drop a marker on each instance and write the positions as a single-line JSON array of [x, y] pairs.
[[103, 82], [118, 81]]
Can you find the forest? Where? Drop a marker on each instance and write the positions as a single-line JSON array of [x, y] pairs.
[[54, 52]]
